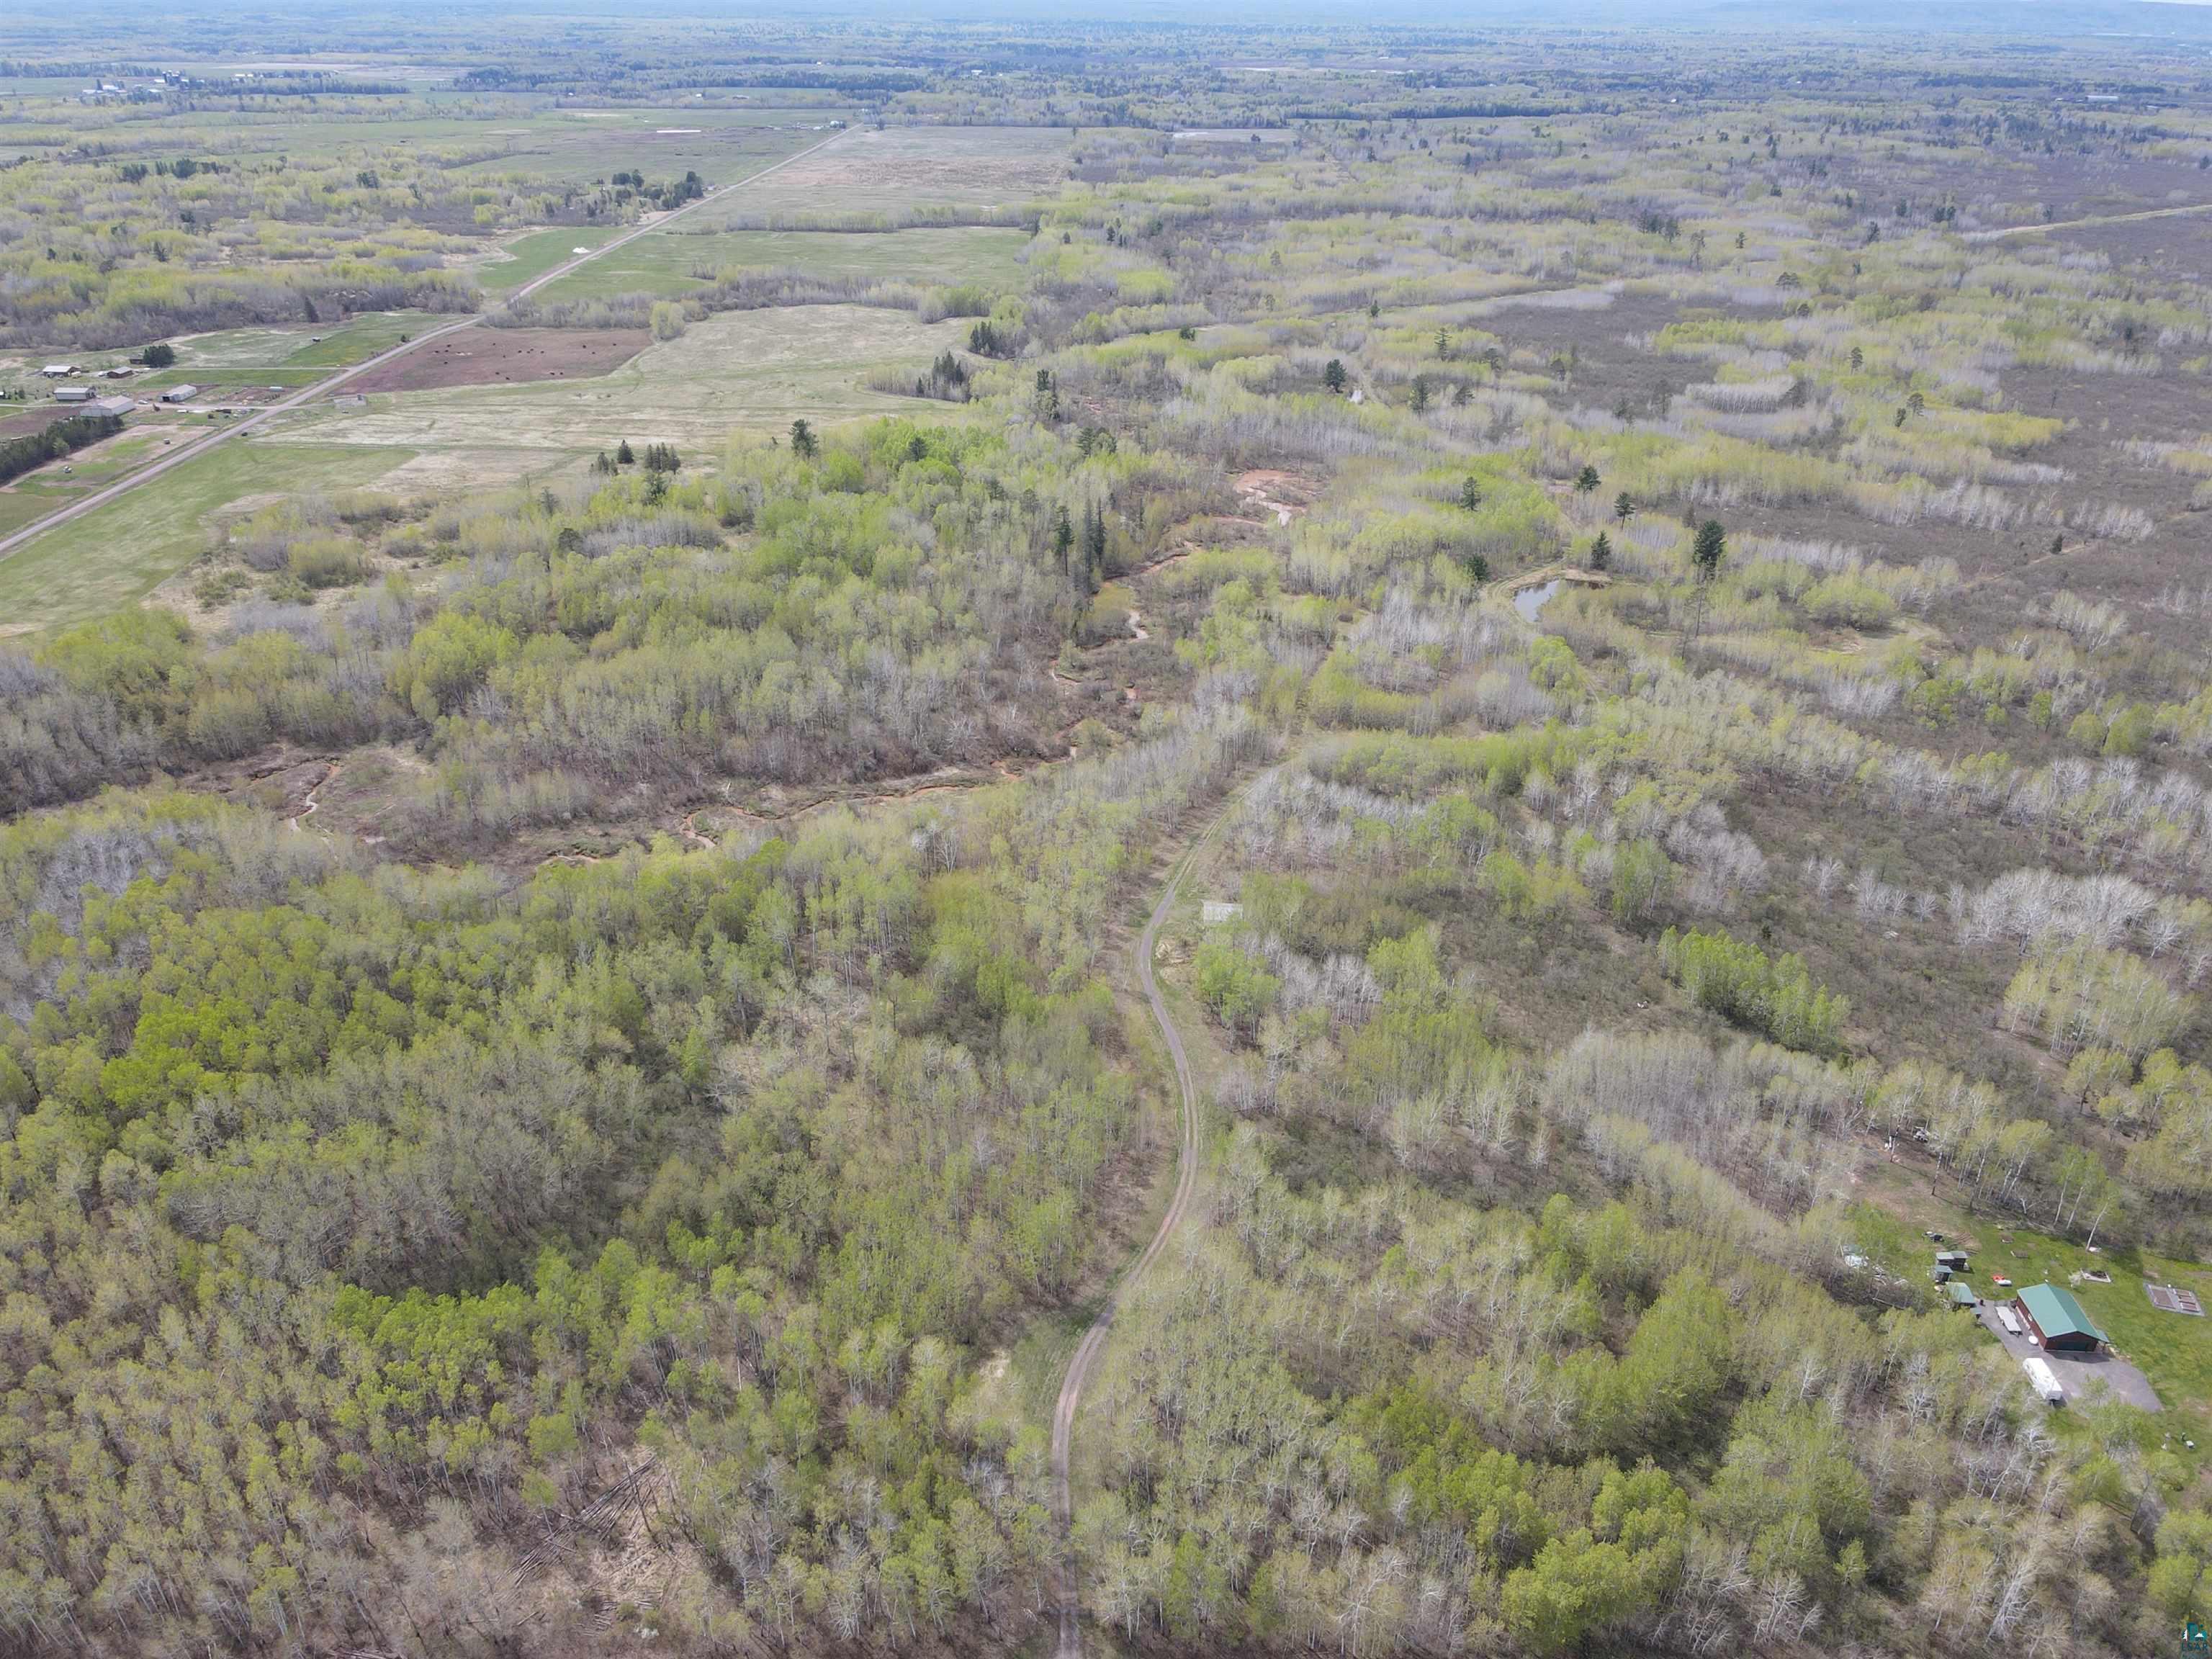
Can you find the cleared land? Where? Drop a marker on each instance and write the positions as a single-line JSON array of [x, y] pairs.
[[118, 553], [684, 261], [889, 176], [756, 369], [487, 357]]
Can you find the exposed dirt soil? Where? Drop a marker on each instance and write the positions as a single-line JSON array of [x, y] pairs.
[[491, 357], [16, 422]]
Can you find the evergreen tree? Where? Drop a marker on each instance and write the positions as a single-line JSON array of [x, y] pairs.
[[1710, 549], [1600, 552], [1470, 494], [1586, 480], [1623, 508], [1333, 377], [624, 454], [803, 444]]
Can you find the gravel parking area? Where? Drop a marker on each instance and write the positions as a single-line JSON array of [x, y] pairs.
[[2080, 1374]]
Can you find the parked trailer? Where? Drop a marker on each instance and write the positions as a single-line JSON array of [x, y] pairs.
[[2009, 1320], [2044, 1379]]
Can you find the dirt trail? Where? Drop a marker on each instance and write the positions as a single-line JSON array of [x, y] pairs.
[[1070, 1646], [2081, 224]]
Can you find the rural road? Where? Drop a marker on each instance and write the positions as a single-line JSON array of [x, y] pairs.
[[324, 388], [1094, 1339]]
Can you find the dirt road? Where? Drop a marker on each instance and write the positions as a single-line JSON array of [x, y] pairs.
[[1094, 1339], [324, 388]]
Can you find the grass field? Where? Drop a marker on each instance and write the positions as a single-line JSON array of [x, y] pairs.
[[115, 556], [669, 264], [530, 257], [885, 175], [720, 142], [58, 482], [748, 369]]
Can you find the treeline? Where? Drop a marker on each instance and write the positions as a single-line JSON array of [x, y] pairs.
[[34, 449]]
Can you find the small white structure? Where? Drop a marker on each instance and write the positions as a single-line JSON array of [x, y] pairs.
[[2009, 1320], [181, 394], [2044, 1381]]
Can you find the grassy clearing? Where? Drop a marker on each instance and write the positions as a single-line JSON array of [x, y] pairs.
[[115, 556], [2172, 1350], [293, 354], [531, 257], [671, 265], [718, 143], [890, 174], [757, 369]]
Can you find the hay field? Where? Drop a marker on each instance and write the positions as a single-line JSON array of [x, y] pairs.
[[667, 265], [890, 176], [759, 369]]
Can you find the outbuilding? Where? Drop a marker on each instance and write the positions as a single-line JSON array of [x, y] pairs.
[[181, 394], [58, 370], [117, 407], [2056, 1320], [1955, 1260], [72, 394], [1962, 1296]]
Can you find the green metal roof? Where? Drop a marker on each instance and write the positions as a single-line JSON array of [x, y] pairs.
[[2057, 1313], [1961, 1294]]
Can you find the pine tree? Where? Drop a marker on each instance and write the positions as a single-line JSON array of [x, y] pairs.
[[624, 454], [1623, 508], [1600, 552], [802, 440], [1333, 377], [1710, 549], [1470, 494], [1094, 547], [1586, 480]]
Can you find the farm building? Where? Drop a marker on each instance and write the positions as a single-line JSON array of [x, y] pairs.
[[116, 406], [72, 394], [1955, 1260], [1962, 1296], [58, 370], [181, 394], [2055, 1319]]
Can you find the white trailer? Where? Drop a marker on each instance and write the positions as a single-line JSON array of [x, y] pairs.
[[2009, 1320], [2044, 1379]]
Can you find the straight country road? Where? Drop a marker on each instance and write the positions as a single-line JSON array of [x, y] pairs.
[[324, 388]]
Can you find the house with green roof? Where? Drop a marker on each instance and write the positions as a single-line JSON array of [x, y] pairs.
[[2057, 1319]]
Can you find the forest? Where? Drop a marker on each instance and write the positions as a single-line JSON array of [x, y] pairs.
[[1309, 964]]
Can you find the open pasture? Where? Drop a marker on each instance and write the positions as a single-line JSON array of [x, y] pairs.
[[900, 175], [683, 260], [757, 369]]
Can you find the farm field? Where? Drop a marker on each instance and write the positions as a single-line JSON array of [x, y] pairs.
[[529, 256], [896, 176], [755, 370], [684, 261]]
